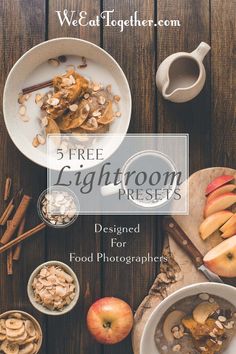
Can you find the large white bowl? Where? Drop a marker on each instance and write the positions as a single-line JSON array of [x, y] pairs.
[[224, 291], [32, 68]]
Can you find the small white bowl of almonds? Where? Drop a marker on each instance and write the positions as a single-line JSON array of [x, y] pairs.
[[58, 207], [53, 288], [19, 333]]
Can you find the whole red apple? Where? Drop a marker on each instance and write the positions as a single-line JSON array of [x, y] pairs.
[[110, 320]]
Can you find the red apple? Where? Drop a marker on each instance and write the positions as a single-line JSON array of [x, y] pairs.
[[110, 320], [218, 182]]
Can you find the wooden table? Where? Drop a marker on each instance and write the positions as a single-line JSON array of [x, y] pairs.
[[209, 119]]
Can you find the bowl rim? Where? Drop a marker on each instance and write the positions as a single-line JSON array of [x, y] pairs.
[[32, 318], [44, 43], [214, 286], [43, 309]]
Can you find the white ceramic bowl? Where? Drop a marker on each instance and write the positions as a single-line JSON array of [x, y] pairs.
[[43, 309], [32, 68], [224, 291], [31, 318]]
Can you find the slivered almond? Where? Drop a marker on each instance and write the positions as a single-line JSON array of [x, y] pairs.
[[22, 110], [73, 107], [54, 62], [53, 101], [41, 139], [35, 142]]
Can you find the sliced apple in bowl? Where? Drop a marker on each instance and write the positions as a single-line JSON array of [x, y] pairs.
[[172, 320], [203, 311], [222, 258], [219, 203], [213, 223], [218, 182]]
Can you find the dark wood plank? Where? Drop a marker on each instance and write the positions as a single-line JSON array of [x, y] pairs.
[[134, 49], [69, 334], [21, 26], [223, 119], [192, 117]]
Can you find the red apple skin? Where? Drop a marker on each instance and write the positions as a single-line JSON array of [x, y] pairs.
[[218, 182], [110, 320]]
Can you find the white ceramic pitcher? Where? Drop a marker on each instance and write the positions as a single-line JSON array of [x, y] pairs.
[[181, 76]]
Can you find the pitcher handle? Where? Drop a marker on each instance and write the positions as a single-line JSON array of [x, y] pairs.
[[201, 51]]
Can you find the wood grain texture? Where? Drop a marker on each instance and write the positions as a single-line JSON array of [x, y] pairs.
[[223, 82], [193, 117], [134, 49], [69, 334], [22, 25]]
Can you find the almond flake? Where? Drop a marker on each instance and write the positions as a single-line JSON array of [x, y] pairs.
[[96, 87], [93, 122], [73, 107], [44, 121], [21, 98], [219, 324], [72, 79], [22, 110], [54, 62], [53, 101], [35, 142], [25, 118], [97, 113], [101, 100], [41, 139], [117, 98]]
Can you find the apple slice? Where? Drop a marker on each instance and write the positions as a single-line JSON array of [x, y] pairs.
[[222, 258], [231, 231], [203, 311], [213, 223], [218, 182], [230, 222], [172, 320], [222, 190], [222, 202]]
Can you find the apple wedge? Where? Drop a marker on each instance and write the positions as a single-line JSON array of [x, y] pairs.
[[222, 190], [229, 223], [222, 258], [231, 231], [213, 223], [222, 202], [218, 182], [172, 320], [203, 311]]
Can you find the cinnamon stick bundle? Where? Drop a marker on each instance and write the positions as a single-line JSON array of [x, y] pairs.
[[17, 218]]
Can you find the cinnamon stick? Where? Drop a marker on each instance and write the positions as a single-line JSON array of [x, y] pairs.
[[7, 189], [22, 237], [17, 251], [9, 257], [36, 87], [7, 213], [17, 218]]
